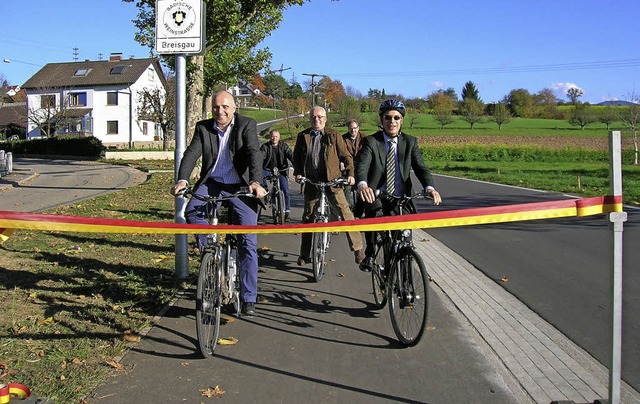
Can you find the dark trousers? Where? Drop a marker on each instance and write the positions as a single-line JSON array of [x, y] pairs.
[[284, 186], [244, 213]]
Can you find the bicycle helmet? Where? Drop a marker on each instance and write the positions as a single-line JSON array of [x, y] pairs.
[[389, 105]]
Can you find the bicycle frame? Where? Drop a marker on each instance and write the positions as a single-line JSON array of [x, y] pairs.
[[218, 281], [320, 241]]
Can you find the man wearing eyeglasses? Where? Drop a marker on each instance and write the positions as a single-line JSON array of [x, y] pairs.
[[384, 163], [353, 142], [317, 155]]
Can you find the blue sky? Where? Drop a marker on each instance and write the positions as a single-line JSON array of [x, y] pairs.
[[410, 47]]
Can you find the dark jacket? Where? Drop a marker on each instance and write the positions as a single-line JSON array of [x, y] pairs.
[[335, 152], [244, 147], [371, 161], [280, 155]]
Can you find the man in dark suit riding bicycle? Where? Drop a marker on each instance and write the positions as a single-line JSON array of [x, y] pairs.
[[384, 163]]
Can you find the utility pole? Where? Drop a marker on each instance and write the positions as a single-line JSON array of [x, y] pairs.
[[313, 86], [281, 69]]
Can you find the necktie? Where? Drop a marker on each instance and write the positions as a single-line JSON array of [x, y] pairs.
[[316, 149], [391, 168]]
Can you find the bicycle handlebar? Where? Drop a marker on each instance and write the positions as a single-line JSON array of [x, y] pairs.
[[333, 182], [188, 193]]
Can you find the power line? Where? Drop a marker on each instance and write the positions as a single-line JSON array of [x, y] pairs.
[[607, 64]]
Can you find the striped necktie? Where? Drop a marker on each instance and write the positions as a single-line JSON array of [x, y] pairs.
[[391, 168]]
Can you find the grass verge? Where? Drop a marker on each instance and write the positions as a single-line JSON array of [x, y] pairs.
[[71, 303]]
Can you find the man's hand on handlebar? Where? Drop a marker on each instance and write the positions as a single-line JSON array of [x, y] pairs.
[[256, 189], [435, 195], [367, 194], [178, 187]]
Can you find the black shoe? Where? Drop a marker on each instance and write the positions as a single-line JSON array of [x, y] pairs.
[[286, 217], [249, 308], [365, 265]]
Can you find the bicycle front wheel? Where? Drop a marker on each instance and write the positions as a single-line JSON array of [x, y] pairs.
[[208, 304], [319, 244], [408, 294], [378, 275], [281, 213]]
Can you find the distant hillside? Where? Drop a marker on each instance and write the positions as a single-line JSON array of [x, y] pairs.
[[616, 103]]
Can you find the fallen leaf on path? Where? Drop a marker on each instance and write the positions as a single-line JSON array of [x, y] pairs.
[[212, 392], [129, 336], [227, 341], [340, 275], [505, 279], [114, 364]]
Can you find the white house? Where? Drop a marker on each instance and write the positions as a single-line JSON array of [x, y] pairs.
[[94, 98]]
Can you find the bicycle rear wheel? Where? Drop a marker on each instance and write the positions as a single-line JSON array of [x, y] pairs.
[[408, 294], [208, 304], [319, 244], [378, 275]]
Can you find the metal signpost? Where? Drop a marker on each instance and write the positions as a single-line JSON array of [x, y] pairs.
[[180, 28], [617, 220]]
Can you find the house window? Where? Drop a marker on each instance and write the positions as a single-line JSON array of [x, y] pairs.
[[78, 99], [119, 69], [47, 101], [82, 72], [145, 128], [112, 98], [112, 127]]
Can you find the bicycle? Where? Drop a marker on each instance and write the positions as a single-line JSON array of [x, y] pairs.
[[276, 196], [218, 279], [399, 274], [320, 241]]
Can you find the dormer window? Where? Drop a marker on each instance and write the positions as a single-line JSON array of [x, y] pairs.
[[82, 72], [119, 69]]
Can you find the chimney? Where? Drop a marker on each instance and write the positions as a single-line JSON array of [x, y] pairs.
[[115, 56]]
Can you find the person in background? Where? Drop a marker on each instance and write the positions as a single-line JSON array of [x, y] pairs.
[[384, 163], [278, 155], [231, 160], [317, 155], [353, 142]]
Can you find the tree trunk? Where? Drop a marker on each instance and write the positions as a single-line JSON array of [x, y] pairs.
[[195, 86]]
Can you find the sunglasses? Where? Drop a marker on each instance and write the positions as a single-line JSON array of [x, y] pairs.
[[394, 117]]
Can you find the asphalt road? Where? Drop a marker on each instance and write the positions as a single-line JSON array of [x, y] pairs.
[[560, 268], [51, 183]]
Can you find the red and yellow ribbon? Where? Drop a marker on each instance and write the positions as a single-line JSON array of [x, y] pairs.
[[450, 218], [11, 390]]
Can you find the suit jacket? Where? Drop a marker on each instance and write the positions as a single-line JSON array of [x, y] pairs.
[[371, 161], [335, 153], [244, 147]]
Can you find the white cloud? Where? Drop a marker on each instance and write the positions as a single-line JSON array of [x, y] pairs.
[[437, 84], [561, 88]]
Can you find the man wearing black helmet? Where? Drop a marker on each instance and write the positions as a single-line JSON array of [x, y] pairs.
[[384, 163]]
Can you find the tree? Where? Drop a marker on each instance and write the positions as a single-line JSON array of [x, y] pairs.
[[630, 117], [500, 115], [546, 101], [442, 106], [160, 107], [233, 30], [333, 91], [520, 103], [574, 93], [581, 115], [472, 111], [470, 92], [607, 116]]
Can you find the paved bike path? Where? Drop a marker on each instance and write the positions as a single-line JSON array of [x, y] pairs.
[[325, 342]]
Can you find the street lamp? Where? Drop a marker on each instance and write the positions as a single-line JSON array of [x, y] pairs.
[[20, 61]]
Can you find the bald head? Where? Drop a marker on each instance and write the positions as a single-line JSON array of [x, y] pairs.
[[223, 109]]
